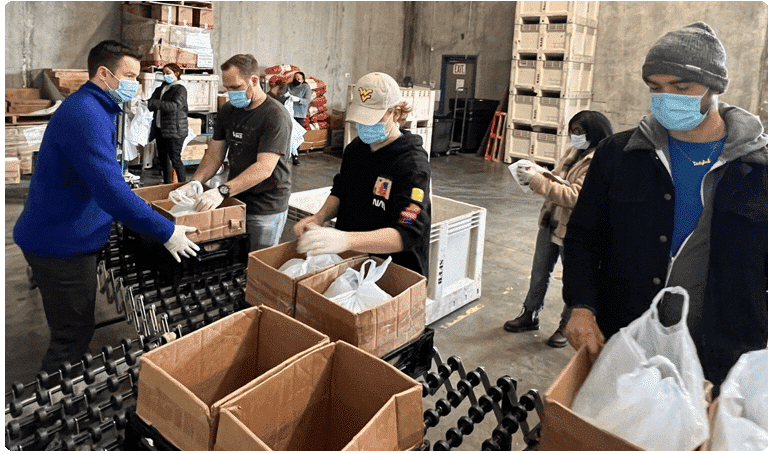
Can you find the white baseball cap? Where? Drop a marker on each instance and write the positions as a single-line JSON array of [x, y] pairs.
[[374, 94]]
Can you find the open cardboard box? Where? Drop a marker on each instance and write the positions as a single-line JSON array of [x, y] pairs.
[[183, 384], [378, 330], [334, 398], [268, 286], [229, 219]]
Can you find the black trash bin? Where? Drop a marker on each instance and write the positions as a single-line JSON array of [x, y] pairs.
[[441, 134], [475, 127]]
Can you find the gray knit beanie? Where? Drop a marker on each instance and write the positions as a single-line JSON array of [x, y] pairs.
[[694, 53]]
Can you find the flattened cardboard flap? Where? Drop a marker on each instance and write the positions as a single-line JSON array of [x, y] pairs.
[[316, 404]]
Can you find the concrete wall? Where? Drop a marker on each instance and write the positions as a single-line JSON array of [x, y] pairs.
[[42, 35], [627, 30], [484, 29]]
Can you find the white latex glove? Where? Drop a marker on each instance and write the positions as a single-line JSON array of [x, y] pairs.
[[322, 240], [209, 200], [294, 98], [525, 174], [179, 244], [188, 191]]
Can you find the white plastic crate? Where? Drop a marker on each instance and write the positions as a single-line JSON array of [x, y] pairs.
[[548, 147], [455, 256], [569, 40], [518, 144], [579, 12], [522, 108], [529, 7], [556, 112], [457, 237], [423, 103], [524, 73], [527, 38], [202, 89], [571, 79]]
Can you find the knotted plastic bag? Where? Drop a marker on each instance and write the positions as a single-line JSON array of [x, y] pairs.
[[647, 384], [182, 203], [357, 291], [300, 267], [139, 129], [742, 416]]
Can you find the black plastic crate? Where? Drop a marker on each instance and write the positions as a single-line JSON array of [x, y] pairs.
[[215, 256], [415, 357], [143, 437]]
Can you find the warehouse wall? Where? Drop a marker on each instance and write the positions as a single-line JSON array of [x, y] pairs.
[[484, 29], [337, 42], [627, 30], [54, 35]]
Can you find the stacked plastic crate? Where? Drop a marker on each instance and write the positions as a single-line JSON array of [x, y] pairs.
[[551, 79]]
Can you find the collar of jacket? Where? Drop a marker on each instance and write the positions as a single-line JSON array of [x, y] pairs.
[[102, 96]]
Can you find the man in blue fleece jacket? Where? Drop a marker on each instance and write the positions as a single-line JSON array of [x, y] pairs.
[[76, 192]]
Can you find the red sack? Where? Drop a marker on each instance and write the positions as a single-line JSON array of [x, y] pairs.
[[318, 102], [282, 69], [321, 116]]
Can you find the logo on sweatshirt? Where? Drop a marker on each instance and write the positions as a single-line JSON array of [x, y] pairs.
[[365, 94], [410, 214], [382, 187]]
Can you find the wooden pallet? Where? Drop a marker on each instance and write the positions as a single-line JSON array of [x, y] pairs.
[[184, 70], [197, 4], [11, 119], [495, 148]]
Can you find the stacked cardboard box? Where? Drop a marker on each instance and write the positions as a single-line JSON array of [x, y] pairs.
[[201, 15], [68, 80], [24, 101], [22, 141], [12, 171], [195, 149]]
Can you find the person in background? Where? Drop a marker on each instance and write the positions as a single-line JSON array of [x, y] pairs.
[[680, 200], [254, 129], [587, 129], [299, 92], [76, 192], [381, 195], [170, 104]]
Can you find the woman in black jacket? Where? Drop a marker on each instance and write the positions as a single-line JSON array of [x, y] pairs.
[[170, 104]]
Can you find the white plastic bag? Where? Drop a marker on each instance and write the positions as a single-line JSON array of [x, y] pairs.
[[742, 416], [357, 291], [139, 129], [182, 203], [300, 267], [647, 384], [298, 132]]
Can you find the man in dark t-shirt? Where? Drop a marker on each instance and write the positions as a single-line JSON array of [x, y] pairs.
[[255, 130]]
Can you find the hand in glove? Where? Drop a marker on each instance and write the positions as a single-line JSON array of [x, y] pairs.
[[294, 98], [305, 224], [322, 240], [525, 174], [188, 191], [179, 244], [209, 200]]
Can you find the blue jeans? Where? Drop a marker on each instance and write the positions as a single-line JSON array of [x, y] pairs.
[[265, 229], [544, 259]]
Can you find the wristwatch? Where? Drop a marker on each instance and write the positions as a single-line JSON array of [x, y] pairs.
[[225, 191]]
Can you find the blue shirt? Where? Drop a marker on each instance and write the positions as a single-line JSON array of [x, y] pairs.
[[78, 189], [687, 179]]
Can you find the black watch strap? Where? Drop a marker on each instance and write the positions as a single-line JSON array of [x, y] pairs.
[[225, 191]]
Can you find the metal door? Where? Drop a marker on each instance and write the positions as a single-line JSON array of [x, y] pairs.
[[459, 73]]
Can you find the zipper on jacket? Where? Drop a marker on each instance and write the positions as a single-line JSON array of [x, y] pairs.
[[720, 162]]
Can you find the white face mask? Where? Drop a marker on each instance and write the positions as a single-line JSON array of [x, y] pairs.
[[580, 142]]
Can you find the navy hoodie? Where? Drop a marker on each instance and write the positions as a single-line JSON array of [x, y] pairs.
[[77, 189]]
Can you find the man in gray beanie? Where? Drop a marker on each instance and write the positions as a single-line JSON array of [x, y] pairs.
[[680, 200]]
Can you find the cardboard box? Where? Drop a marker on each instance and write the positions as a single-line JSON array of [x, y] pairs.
[[183, 384], [160, 55], [22, 93], [68, 81], [203, 18], [195, 123], [164, 13], [145, 31], [564, 430], [185, 15], [25, 106], [135, 11], [334, 398], [267, 285], [378, 330], [186, 59], [195, 150], [313, 139], [12, 171], [228, 219]]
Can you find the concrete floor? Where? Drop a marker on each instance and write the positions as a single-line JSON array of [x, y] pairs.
[[474, 332]]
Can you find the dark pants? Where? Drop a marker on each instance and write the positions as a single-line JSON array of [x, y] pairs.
[[68, 289], [170, 155]]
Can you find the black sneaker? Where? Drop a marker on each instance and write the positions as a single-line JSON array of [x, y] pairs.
[[526, 321], [295, 160], [558, 338]]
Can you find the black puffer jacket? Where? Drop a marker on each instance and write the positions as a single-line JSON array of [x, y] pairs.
[[173, 109]]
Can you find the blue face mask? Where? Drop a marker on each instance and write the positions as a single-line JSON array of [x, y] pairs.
[[677, 112], [126, 91], [372, 134], [239, 99], [169, 78]]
